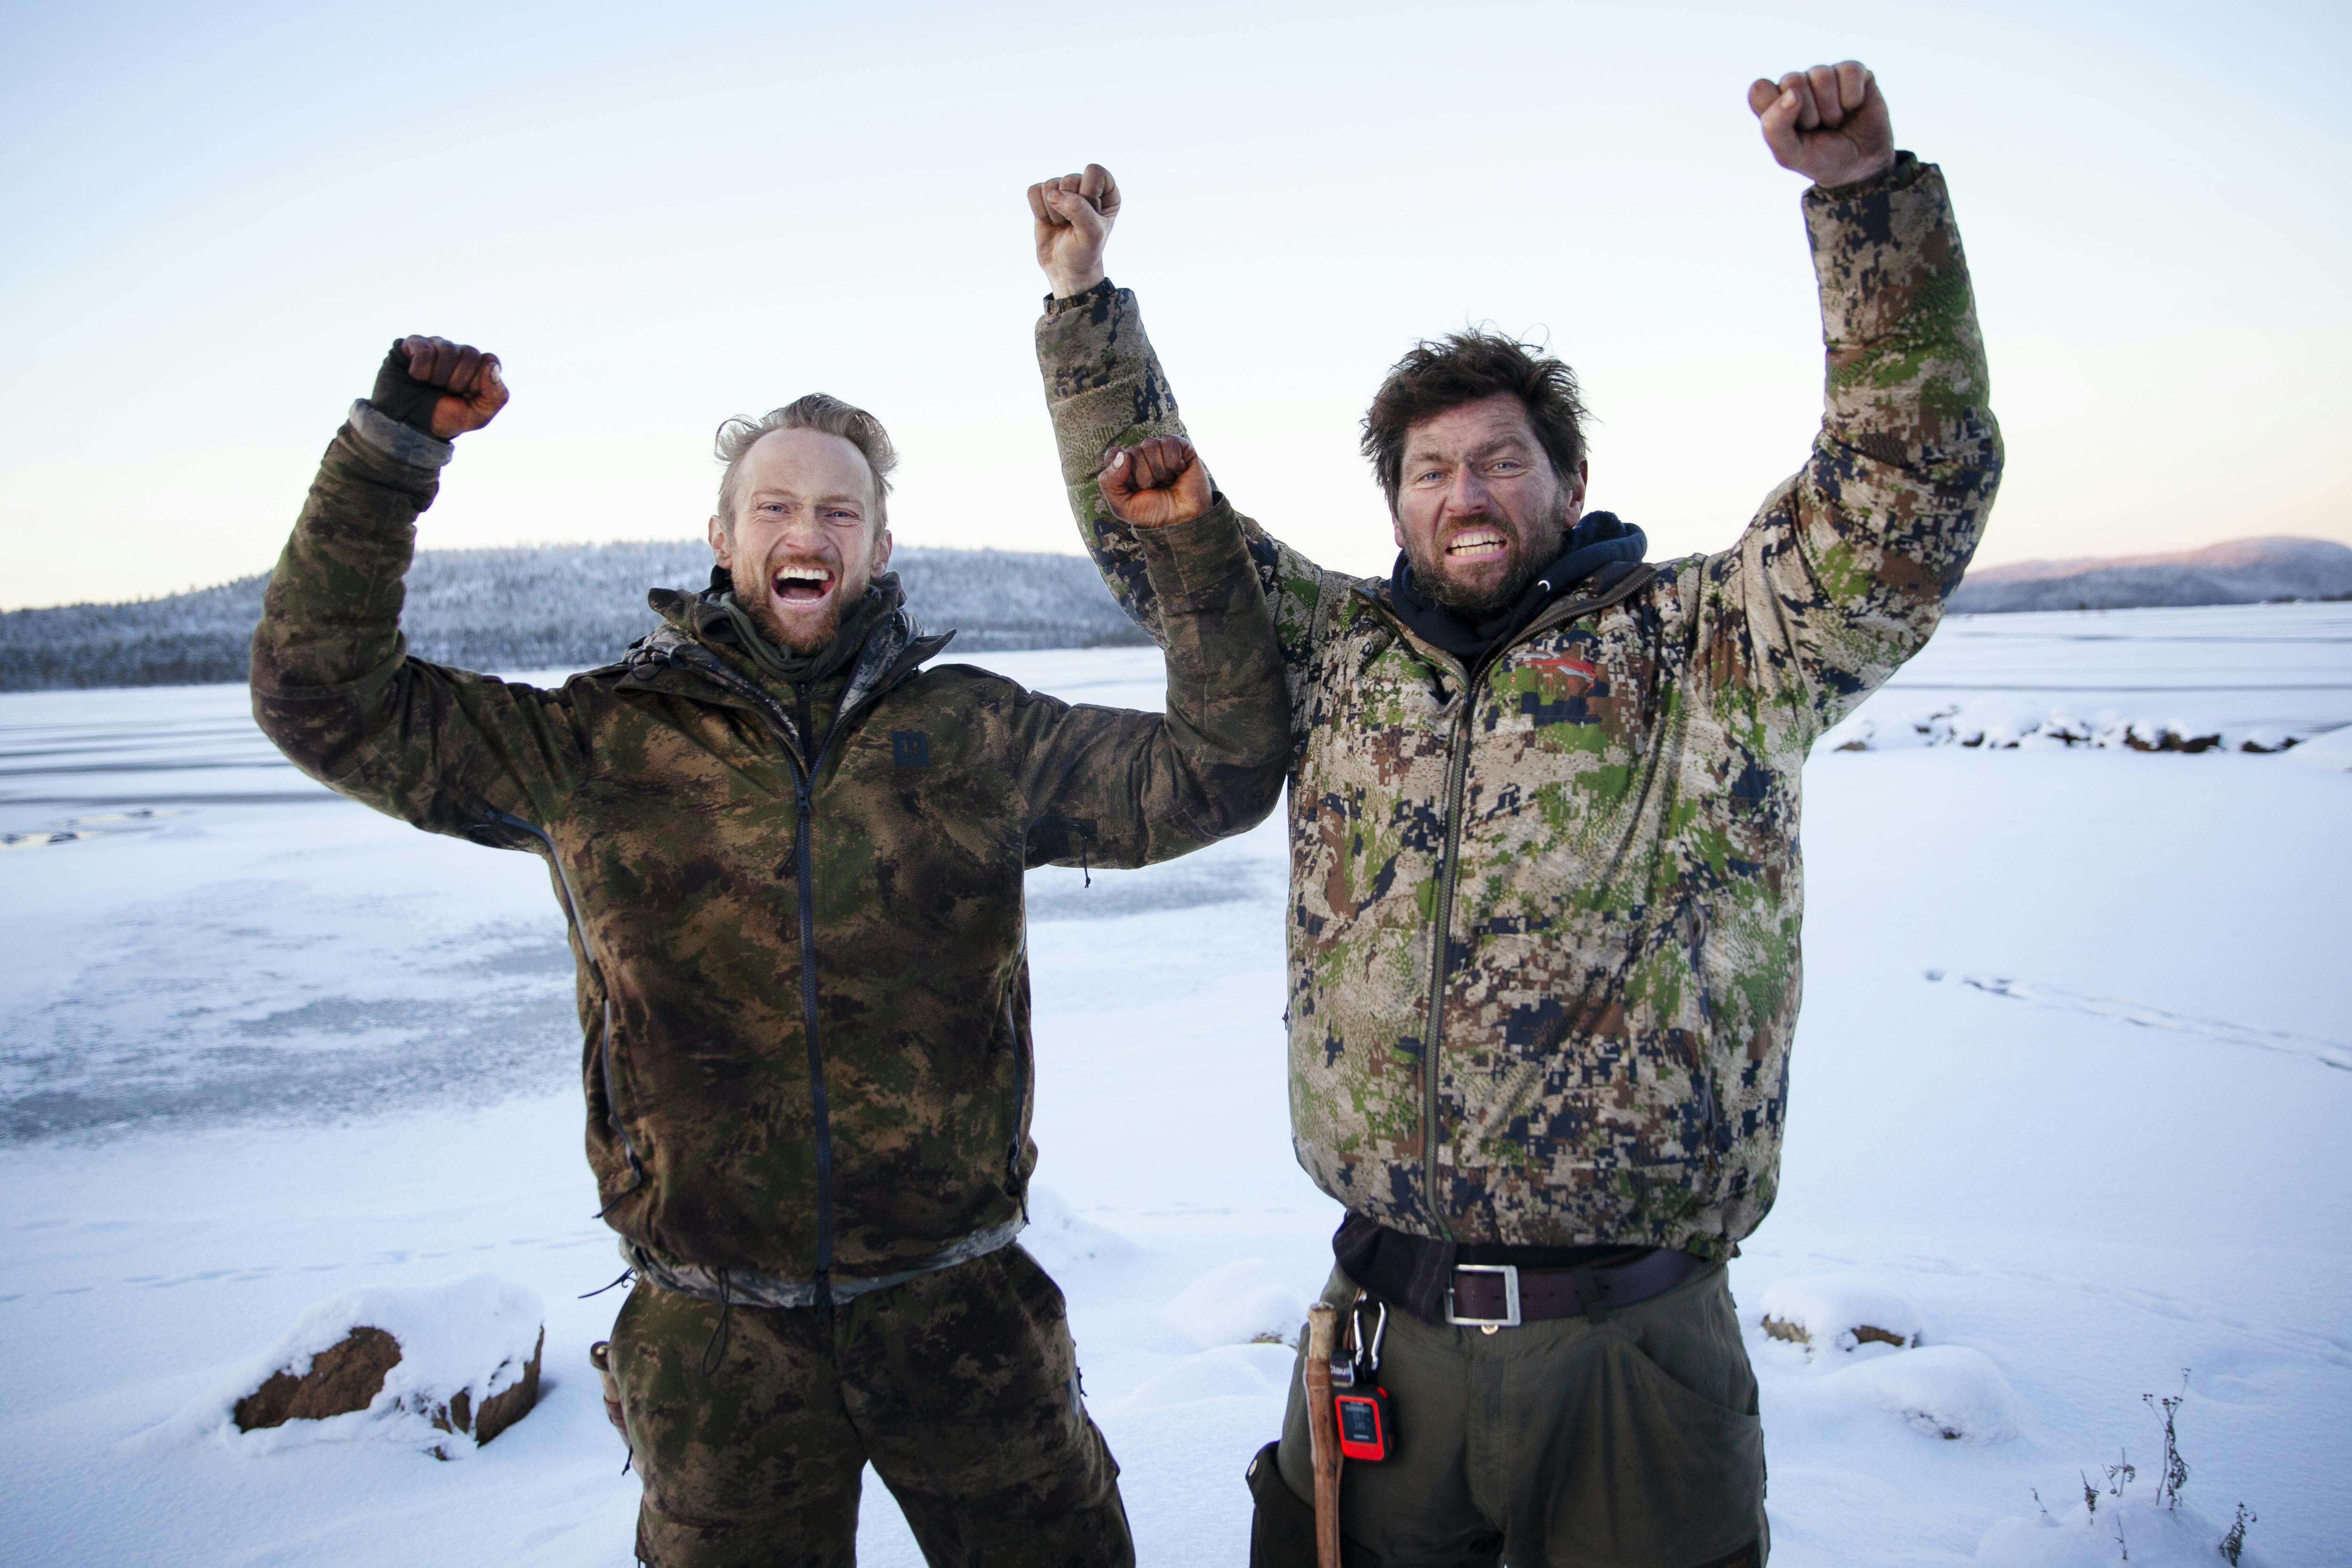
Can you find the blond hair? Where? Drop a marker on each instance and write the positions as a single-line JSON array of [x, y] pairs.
[[818, 412]]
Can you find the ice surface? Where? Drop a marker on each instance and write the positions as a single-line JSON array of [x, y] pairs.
[[474, 1335], [290, 1048], [2260, 672]]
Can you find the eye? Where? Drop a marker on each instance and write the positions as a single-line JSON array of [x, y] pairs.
[[1507, 465]]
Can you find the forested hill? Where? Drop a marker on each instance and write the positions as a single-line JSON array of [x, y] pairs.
[[2237, 571], [541, 607]]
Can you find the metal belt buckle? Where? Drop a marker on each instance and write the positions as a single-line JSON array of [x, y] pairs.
[[1510, 1318]]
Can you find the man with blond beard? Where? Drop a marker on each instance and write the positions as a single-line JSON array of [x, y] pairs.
[[792, 854], [1545, 889]]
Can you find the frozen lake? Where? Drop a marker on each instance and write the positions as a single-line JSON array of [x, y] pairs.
[[2073, 1076]]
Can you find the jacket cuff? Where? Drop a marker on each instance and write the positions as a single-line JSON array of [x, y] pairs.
[[400, 442], [1197, 555], [1906, 172], [1056, 305]]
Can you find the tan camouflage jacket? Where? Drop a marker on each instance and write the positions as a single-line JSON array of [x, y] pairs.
[[1543, 925], [802, 978]]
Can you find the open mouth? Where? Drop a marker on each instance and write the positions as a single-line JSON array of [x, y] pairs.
[[801, 584], [1477, 544]]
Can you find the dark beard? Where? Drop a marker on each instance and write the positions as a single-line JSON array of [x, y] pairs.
[[1465, 605], [1471, 607]]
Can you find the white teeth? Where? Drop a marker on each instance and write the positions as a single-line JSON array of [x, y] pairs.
[[816, 574]]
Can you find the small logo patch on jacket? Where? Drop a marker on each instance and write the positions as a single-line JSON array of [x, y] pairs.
[[910, 748]]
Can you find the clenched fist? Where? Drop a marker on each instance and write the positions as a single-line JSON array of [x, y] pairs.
[[1073, 218], [441, 388], [1155, 483], [1828, 123]]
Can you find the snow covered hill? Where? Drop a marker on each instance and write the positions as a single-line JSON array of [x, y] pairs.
[[2067, 1103], [2238, 571], [533, 607]]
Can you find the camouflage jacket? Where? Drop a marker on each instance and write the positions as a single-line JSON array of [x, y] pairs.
[[797, 914], [1544, 912]]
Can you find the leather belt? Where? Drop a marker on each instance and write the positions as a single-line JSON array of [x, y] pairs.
[[1492, 1296]]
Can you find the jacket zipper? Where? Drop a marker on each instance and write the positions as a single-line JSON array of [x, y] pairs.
[[1457, 774], [805, 772], [1020, 1102], [804, 786], [1456, 777], [596, 972]]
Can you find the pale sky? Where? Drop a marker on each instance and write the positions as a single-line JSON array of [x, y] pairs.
[[213, 220]]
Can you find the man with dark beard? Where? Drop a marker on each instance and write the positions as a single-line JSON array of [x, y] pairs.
[[1545, 885], [792, 858]]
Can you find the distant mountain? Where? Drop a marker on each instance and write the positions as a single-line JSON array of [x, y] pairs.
[[541, 607], [2240, 572]]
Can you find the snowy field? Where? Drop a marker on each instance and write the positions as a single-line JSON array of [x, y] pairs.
[[2070, 1099]]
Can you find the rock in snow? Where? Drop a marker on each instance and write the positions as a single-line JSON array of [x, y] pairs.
[[440, 1368], [1840, 1312]]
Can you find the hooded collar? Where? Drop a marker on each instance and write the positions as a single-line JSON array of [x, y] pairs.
[[1599, 540], [878, 644], [718, 617]]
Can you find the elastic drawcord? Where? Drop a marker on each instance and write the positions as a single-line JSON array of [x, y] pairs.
[[626, 1275]]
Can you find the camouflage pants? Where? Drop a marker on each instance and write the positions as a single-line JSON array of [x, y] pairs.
[[959, 1386]]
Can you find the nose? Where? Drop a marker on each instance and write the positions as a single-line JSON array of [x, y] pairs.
[[800, 532], [1468, 495]]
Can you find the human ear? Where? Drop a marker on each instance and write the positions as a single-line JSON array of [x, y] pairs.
[[881, 551], [721, 543]]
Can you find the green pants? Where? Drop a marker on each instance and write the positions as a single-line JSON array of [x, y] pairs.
[[1630, 1443], [960, 1387]]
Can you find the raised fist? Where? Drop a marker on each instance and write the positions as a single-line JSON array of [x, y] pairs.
[[1155, 483], [441, 388], [1073, 215], [1828, 123]]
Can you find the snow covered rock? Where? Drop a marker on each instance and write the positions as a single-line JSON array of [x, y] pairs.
[[1945, 1391], [1245, 1303], [441, 1368], [1840, 1312]]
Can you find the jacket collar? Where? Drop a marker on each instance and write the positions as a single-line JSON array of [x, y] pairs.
[[1598, 541], [687, 655]]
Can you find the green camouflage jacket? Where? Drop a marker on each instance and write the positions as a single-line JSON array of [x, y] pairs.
[[802, 979], [1543, 923]]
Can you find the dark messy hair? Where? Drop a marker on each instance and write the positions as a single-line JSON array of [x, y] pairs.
[[1464, 367]]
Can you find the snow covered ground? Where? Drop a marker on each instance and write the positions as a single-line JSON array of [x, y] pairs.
[[2071, 1085]]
